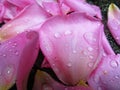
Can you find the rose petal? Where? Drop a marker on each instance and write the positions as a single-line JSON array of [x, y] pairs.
[[13, 8], [15, 54], [71, 46], [107, 74], [114, 22], [24, 22], [84, 7]]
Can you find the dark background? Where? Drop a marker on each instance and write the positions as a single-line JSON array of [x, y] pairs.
[[103, 4]]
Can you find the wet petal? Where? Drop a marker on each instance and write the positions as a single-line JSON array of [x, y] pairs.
[[84, 7], [13, 8], [43, 81], [70, 44], [107, 75], [24, 22], [114, 22], [14, 57]]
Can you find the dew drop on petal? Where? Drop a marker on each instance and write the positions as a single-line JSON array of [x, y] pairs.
[[85, 53], [69, 64], [68, 32], [90, 38], [90, 64], [117, 77], [90, 49], [114, 64], [57, 35], [4, 55], [8, 72], [74, 51], [91, 57], [117, 38]]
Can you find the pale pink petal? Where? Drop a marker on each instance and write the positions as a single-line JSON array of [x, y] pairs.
[[107, 74], [14, 7], [32, 17], [12, 60], [43, 81], [84, 7], [52, 8], [72, 45], [114, 22]]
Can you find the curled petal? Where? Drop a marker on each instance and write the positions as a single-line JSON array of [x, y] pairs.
[[43, 81], [15, 54], [71, 46], [24, 22], [107, 74], [13, 8], [114, 22], [84, 7]]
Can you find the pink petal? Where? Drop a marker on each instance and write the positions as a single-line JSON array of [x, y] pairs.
[[71, 46], [84, 7], [44, 82], [24, 22], [14, 7], [114, 22], [107, 74], [15, 54], [52, 8]]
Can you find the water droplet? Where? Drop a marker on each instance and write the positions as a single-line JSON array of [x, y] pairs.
[[57, 35], [85, 53], [74, 51], [117, 77], [90, 49], [91, 57], [105, 72], [69, 64], [90, 64], [114, 63], [68, 32], [14, 44], [8, 72], [9, 42], [104, 54], [47, 87], [117, 38], [4, 55], [90, 38]]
